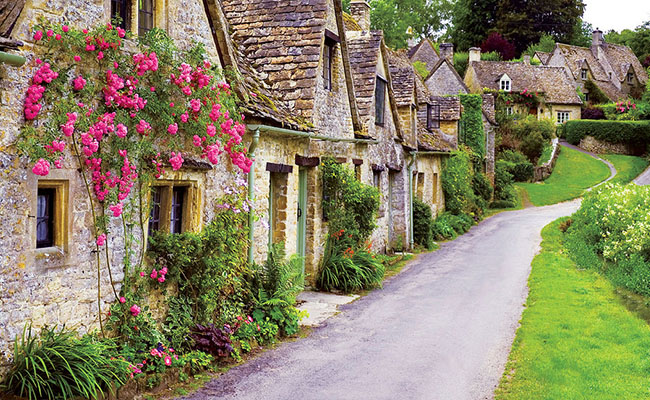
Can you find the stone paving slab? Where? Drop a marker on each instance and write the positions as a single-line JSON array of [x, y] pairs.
[[321, 306]]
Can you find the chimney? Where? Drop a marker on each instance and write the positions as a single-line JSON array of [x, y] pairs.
[[447, 51], [474, 54], [526, 59], [597, 38], [360, 11]]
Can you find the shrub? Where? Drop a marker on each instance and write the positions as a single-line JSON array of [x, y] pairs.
[[592, 113], [473, 133], [534, 134], [518, 165], [448, 226], [456, 183], [496, 42], [632, 133], [212, 340], [422, 224], [351, 272], [481, 186], [57, 365], [503, 182], [502, 204]]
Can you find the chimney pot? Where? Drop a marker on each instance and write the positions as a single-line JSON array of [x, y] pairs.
[[447, 51], [597, 38], [474, 54], [360, 11]]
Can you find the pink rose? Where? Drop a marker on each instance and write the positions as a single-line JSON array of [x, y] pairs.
[[154, 274], [57, 37], [49, 33], [161, 279], [176, 161], [195, 105], [184, 117], [142, 273], [172, 128], [38, 35], [79, 83], [135, 310], [116, 209], [122, 300], [168, 361], [65, 28], [121, 130], [101, 239], [77, 58], [42, 167], [100, 55]]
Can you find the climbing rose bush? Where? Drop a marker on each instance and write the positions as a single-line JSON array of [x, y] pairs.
[[125, 116]]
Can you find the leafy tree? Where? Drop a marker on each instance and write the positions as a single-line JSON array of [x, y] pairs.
[[546, 44], [524, 22], [472, 20], [496, 42], [638, 40], [394, 17], [582, 33]]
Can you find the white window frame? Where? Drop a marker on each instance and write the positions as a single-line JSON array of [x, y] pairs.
[[510, 110], [583, 74], [563, 116], [505, 84], [630, 77]]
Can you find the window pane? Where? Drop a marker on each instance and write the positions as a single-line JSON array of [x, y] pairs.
[[178, 197], [154, 216], [145, 16], [327, 67], [121, 9], [380, 95], [45, 218]]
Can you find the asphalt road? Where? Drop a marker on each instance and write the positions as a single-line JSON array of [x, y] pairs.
[[442, 329], [644, 178]]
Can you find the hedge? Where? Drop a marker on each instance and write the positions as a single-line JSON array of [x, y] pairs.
[[472, 122], [628, 132]]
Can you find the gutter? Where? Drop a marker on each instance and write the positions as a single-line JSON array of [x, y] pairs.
[[12, 59], [251, 194], [307, 135]]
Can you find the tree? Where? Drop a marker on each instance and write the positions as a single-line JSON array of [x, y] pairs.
[[638, 39], [472, 20], [546, 44], [394, 17], [524, 22], [581, 33], [496, 42]]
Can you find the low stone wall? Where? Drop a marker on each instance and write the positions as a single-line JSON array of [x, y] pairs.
[[543, 171], [593, 145]]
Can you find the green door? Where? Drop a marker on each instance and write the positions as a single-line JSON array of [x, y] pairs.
[[302, 215]]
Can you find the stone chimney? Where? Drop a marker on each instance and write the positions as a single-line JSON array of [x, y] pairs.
[[360, 11], [447, 51], [526, 59], [474, 54], [597, 37]]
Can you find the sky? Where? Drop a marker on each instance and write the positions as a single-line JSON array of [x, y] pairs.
[[616, 14]]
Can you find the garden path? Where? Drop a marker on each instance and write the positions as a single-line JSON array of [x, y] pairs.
[[644, 178], [442, 329], [609, 164]]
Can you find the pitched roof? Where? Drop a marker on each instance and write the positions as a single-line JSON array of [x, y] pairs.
[[551, 81], [543, 56], [621, 58], [9, 13], [350, 23], [444, 87], [433, 141], [449, 107], [282, 40], [425, 52], [403, 77], [576, 56], [364, 55]]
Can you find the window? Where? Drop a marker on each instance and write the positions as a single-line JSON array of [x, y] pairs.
[[121, 10], [376, 178], [145, 16], [278, 184], [170, 207], [587, 96], [328, 53], [563, 116], [420, 186], [434, 183], [380, 100], [505, 84], [45, 217], [583, 74], [433, 116], [630, 77], [509, 110]]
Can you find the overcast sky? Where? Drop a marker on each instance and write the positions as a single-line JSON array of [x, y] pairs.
[[616, 14]]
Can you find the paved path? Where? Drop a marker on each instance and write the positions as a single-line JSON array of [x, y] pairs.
[[612, 170], [644, 178], [442, 329]]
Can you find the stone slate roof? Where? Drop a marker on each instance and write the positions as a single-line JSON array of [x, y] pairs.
[[449, 107], [364, 55], [577, 56], [350, 23], [424, 52], [446, 86], [551, 81], [488, 108], [403, 77], [9, 12], [543, 56], [434, 141], [281, 40], [621, 58]]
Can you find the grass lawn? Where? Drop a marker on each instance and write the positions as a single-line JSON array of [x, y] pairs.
[[576, 339], [573, 173], [627, 167]]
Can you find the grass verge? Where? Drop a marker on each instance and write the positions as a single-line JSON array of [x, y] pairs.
[[574, 172], [627, 167], [576, 339]]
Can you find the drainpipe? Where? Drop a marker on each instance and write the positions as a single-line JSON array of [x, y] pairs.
[[307, 135], [251, 194], [410, 172], [12, 59]]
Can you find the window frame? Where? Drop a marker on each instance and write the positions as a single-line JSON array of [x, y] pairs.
[[48, 216], [563, 116], [328, 54], [59, 214], [380, 112], [124, 12], [510, 110], [583, 74], [630, 78], [433, 123], [166, 190], [505, 84], [146, 14]]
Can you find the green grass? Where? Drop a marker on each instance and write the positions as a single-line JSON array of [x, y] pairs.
[[576, 339], [574, 172], [627, 167]]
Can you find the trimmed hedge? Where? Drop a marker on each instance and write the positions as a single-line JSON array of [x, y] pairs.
[[628, 132]]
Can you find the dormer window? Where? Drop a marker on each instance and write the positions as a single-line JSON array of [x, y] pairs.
[[583, 74], [630, 77], [380, 100], [505, 83], [433, 116]]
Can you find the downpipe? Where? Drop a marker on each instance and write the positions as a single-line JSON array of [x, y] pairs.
[[251, 194]]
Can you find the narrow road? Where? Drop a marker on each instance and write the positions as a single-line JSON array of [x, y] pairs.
[[612, 169], [442, 329], [644, 178]]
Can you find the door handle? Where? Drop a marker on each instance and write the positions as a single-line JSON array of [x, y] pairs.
[[299, 212]]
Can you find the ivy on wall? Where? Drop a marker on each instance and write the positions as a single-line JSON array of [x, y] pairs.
[[471, 122]]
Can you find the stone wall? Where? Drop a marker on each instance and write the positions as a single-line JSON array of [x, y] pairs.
[[541, 172], [594, 145]]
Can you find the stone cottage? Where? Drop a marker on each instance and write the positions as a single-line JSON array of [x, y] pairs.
[[613, 68], [424, 52], [553, 88]]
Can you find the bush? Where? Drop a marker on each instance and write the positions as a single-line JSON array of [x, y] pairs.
[[58, 365], [503, 182], [482, 187], [592, 113], [473, 133], [533, 134], [448, 226], [518, 165], [422, 224], [457, 184], [502, 204], [632, 133], [351, 272]]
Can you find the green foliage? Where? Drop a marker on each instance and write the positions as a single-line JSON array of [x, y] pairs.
[[421, 69], [613, 224], [178, 323], [546, 44], [596, 96], [461, 60], [351, 272], [275, 286], [457, 184], [422, 224], [472, 20], [503, 182], [633, 133], [482, 189], [638, 40], [58, 365], [209, 266], [394, 17], [473, 134], [518, 165], [448, 226], [626, 111]]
